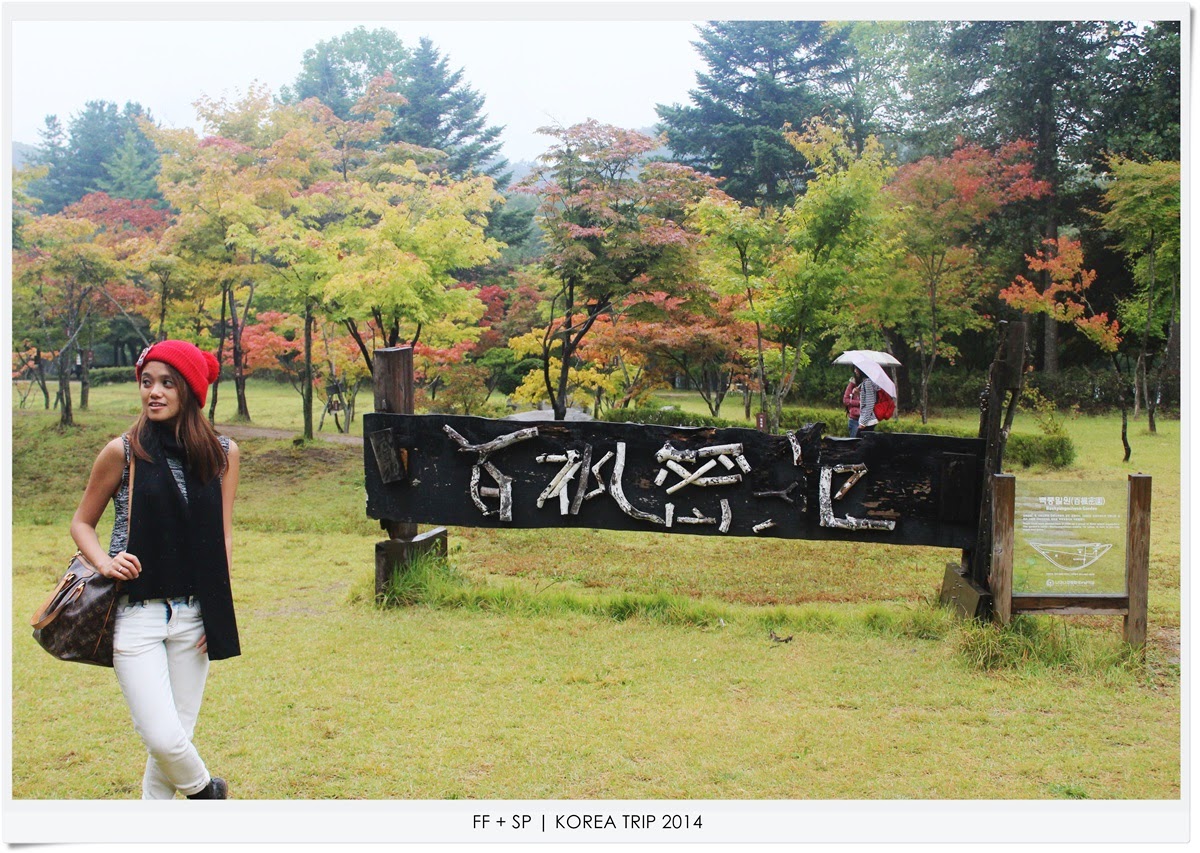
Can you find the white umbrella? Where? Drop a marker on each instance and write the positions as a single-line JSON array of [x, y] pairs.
[[849, 356], [871, 362]]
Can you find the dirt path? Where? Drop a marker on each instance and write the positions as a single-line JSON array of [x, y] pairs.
[[236, 431]]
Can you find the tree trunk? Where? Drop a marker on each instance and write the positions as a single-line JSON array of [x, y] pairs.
[[1169, 361], [239, 359], [212, 406], [352, 328], [1145, 379], [560, 392], [40, 368], [306, 388], [85, 378], [1139, 372], [162, 312], [66, 416], [85, 384], [1124, 404]]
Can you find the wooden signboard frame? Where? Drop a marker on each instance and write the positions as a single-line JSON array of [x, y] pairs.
[[1133, 604], [881, 487]]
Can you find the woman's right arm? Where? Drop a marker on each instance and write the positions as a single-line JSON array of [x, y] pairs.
[[102, 485]]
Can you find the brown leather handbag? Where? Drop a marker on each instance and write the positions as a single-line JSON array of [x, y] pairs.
[[76, 622]]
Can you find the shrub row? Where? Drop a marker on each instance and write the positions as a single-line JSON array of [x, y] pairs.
[[111, 375], [1053, 451], [665, 416]]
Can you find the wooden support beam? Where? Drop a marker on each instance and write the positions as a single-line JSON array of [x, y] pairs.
[[396, 555], [393, 380], [1137, 558], [393, 385], [1004, 490], [968, 599], [1093, 605], [1004, 377]]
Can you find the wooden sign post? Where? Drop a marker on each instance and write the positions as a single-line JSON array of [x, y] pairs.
[[1132, 604], [966, 586], [393, 381]]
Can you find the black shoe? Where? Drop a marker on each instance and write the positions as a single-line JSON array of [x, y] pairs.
[[216, 789]]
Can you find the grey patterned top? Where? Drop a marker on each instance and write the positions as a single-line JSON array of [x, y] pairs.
[[120, 531]]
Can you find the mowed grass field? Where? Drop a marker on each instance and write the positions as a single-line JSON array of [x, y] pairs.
[[602, 665]]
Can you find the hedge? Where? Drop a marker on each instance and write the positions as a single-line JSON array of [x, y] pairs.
[[665, 416], [111, 375], [1053, 451]]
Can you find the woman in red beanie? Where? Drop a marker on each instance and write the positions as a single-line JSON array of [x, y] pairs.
[[171, 548]]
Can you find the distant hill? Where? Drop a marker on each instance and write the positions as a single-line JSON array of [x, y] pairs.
[[520, 169], [22, 154]]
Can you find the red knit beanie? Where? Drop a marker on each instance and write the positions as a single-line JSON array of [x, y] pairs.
[[198, 367]]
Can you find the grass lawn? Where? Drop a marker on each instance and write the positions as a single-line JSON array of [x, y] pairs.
[[508, 687]]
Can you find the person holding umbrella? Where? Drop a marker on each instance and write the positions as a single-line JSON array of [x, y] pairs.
[[868, 368], [851, 402], [866, 403]]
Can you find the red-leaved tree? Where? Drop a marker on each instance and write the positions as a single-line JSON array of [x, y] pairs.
[[941, 202]]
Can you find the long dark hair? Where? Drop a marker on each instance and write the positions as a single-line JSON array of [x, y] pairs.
[[205, 455]]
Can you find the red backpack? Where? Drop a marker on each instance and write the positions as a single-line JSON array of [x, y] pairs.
[[885, 406]]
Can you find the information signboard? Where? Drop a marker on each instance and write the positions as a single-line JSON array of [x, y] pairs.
[[1070, 538]]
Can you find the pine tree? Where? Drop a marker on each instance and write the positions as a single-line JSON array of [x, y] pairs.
[[52, 154], [442, 112], [445, 113], [760, 78], [131, 174], [78, 158]]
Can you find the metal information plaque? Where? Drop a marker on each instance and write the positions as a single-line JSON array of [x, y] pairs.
[[1070, 538]]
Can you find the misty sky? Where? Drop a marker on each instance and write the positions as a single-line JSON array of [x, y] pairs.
[[532, 73]]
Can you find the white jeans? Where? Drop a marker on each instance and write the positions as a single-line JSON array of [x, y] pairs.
[[162, 675]]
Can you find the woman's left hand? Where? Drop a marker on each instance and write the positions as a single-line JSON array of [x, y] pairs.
[[202, 646]]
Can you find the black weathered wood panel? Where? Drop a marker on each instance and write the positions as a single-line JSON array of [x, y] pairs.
[[928, 486]]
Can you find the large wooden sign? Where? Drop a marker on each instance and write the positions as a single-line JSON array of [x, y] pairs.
[[477, 472]]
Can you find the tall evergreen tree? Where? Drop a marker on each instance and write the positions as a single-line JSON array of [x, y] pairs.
[[77, 157], [761, 77], [131, 172], [1140, 95], [442, 112], [52, 155]]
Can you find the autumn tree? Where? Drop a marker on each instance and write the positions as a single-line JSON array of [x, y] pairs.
[[740, 245], [364, 232], [229, 187], [126, 228], [1002, 81], [613, 224], [701, 337], [1065, 301], [1143, 208], [509, 311], [60, 276], [942, 201]]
